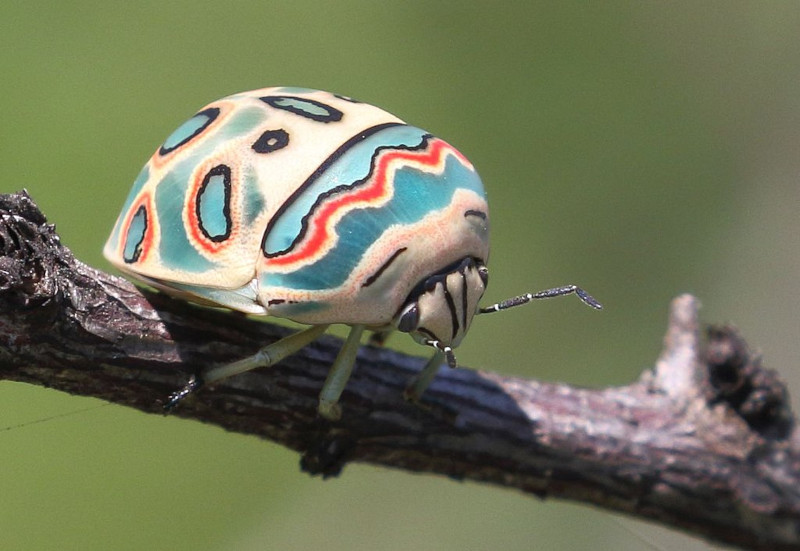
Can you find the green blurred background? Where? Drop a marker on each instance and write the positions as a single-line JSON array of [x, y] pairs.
[[638, 149]]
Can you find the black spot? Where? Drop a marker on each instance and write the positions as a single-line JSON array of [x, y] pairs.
[[271, 140]]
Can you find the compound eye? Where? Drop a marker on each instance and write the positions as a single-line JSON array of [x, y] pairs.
[[409, 319], [483, 273]]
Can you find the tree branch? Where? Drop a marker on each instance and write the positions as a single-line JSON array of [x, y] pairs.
[[705, 441]]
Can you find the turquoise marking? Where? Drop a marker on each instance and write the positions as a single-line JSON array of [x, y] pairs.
[[176, 250], [353, 166], [416, 194], [189, 129], [296, 104], [138, 184], [308, 108], [135, 236], [244, 120], [243, 298], [213, 206]]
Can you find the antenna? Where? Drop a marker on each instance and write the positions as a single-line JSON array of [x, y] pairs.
[[587, 299]]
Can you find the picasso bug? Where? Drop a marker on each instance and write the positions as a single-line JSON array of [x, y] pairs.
[[317, 208]]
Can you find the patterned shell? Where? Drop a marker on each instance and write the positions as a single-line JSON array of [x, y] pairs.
[[300, 204]]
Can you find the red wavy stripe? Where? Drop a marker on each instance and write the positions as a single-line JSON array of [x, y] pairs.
[[319, 232]]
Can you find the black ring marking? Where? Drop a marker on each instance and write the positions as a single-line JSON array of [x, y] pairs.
[[137, 248], [225, 172], [332, 114], [212, 113], [371, 279], [320, 170], [271, 140]]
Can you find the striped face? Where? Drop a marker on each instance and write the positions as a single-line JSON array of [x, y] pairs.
[[314, 207]]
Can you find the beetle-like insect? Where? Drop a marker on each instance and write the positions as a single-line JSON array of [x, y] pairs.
[[314, 207]]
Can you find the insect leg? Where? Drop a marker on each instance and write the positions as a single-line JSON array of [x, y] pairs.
[[269, 355], [339, 374], [378, 338], [418, 384]]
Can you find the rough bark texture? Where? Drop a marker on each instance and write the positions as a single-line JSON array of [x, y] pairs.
[[705, 441]]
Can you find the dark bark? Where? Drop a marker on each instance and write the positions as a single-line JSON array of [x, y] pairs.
[[705, 441]]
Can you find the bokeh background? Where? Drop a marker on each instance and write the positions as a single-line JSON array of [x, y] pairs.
[[639, 149]]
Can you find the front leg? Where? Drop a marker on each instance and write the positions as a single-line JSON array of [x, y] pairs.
[[265, 357]]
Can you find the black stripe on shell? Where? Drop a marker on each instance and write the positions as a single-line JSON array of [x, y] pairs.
[[371, 279], [320, 170]]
